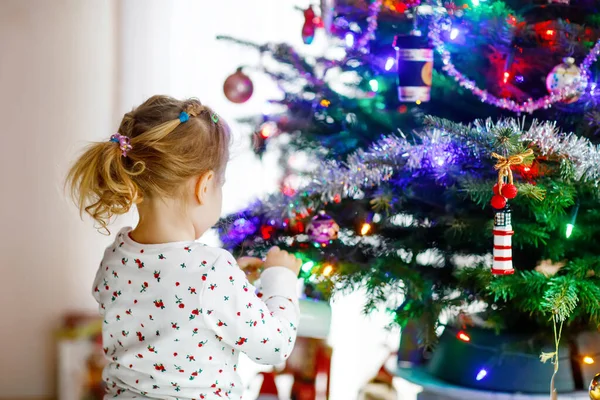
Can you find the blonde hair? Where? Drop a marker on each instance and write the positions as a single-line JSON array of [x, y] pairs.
[[165, 152]]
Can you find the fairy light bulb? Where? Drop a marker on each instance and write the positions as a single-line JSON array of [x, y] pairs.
[[327, 270], [588, 360], [349, 39], [463, 336], [365, 228], [374, 85], [571, 224], [308, 266], [481, 374], [268, 129], [506, 76], [454, 33], [569, 230], [389, 63]]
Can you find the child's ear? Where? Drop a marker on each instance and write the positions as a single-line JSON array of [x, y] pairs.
[[203, 185]]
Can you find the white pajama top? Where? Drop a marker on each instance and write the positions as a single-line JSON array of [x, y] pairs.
[[177, 315]]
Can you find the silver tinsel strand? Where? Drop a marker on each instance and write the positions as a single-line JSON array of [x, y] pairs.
[[436, 148]]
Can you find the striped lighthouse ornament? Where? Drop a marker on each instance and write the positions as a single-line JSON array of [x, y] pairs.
[[505, 190], [502, 264]]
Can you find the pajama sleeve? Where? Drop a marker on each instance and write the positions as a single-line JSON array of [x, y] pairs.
[[264, 328]]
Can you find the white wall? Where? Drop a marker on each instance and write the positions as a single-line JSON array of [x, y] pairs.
[[56, 92], [171, 48], [68, 70]]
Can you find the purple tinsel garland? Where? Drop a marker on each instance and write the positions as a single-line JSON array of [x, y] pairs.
[[530, 105]]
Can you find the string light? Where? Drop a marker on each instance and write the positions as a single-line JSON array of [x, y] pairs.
[[463, 336], [569, 230], [481, 374], [327, 270], [506, 76], [454, 33], [389, 63], [307, 267], [484, 371], [374, 85], [571, 223], [349, 39], [366, 228], [268, 129]]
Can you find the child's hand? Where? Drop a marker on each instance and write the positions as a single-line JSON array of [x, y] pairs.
[[251, 267], [280, 258]]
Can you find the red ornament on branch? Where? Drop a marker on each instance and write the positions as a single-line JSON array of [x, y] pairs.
[[311, 23], [238, 87]]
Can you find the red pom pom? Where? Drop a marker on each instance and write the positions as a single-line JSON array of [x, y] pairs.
[[498, 202], [495, 189], [509, 191]]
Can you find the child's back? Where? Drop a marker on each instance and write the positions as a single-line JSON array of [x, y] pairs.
[[177, 313], [166, 337]]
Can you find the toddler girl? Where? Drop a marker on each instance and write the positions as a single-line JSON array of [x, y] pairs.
[[177, 313]]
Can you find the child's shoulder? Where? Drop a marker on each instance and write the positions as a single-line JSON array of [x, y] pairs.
[[209, 254], [123, 243]]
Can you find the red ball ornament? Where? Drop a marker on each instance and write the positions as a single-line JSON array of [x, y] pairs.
[[238, 87], [498, 202], [509, 191]]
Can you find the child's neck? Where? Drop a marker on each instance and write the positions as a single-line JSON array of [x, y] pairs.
[[162, 221]]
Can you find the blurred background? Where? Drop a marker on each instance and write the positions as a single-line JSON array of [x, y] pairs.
[[69, 69]]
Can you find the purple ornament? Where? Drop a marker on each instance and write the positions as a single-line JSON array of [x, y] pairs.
[[322, 228], [240, 230]]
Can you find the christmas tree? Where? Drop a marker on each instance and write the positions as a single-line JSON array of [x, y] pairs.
[[431, 133]]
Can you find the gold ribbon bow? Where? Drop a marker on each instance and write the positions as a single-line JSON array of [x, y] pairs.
[[504, 165]]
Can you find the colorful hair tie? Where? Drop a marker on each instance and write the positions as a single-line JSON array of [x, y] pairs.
[[184, 117], [215, 118], [124, 143]]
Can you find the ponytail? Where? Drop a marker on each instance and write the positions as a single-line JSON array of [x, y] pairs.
[[159, 146], [101, 185]]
